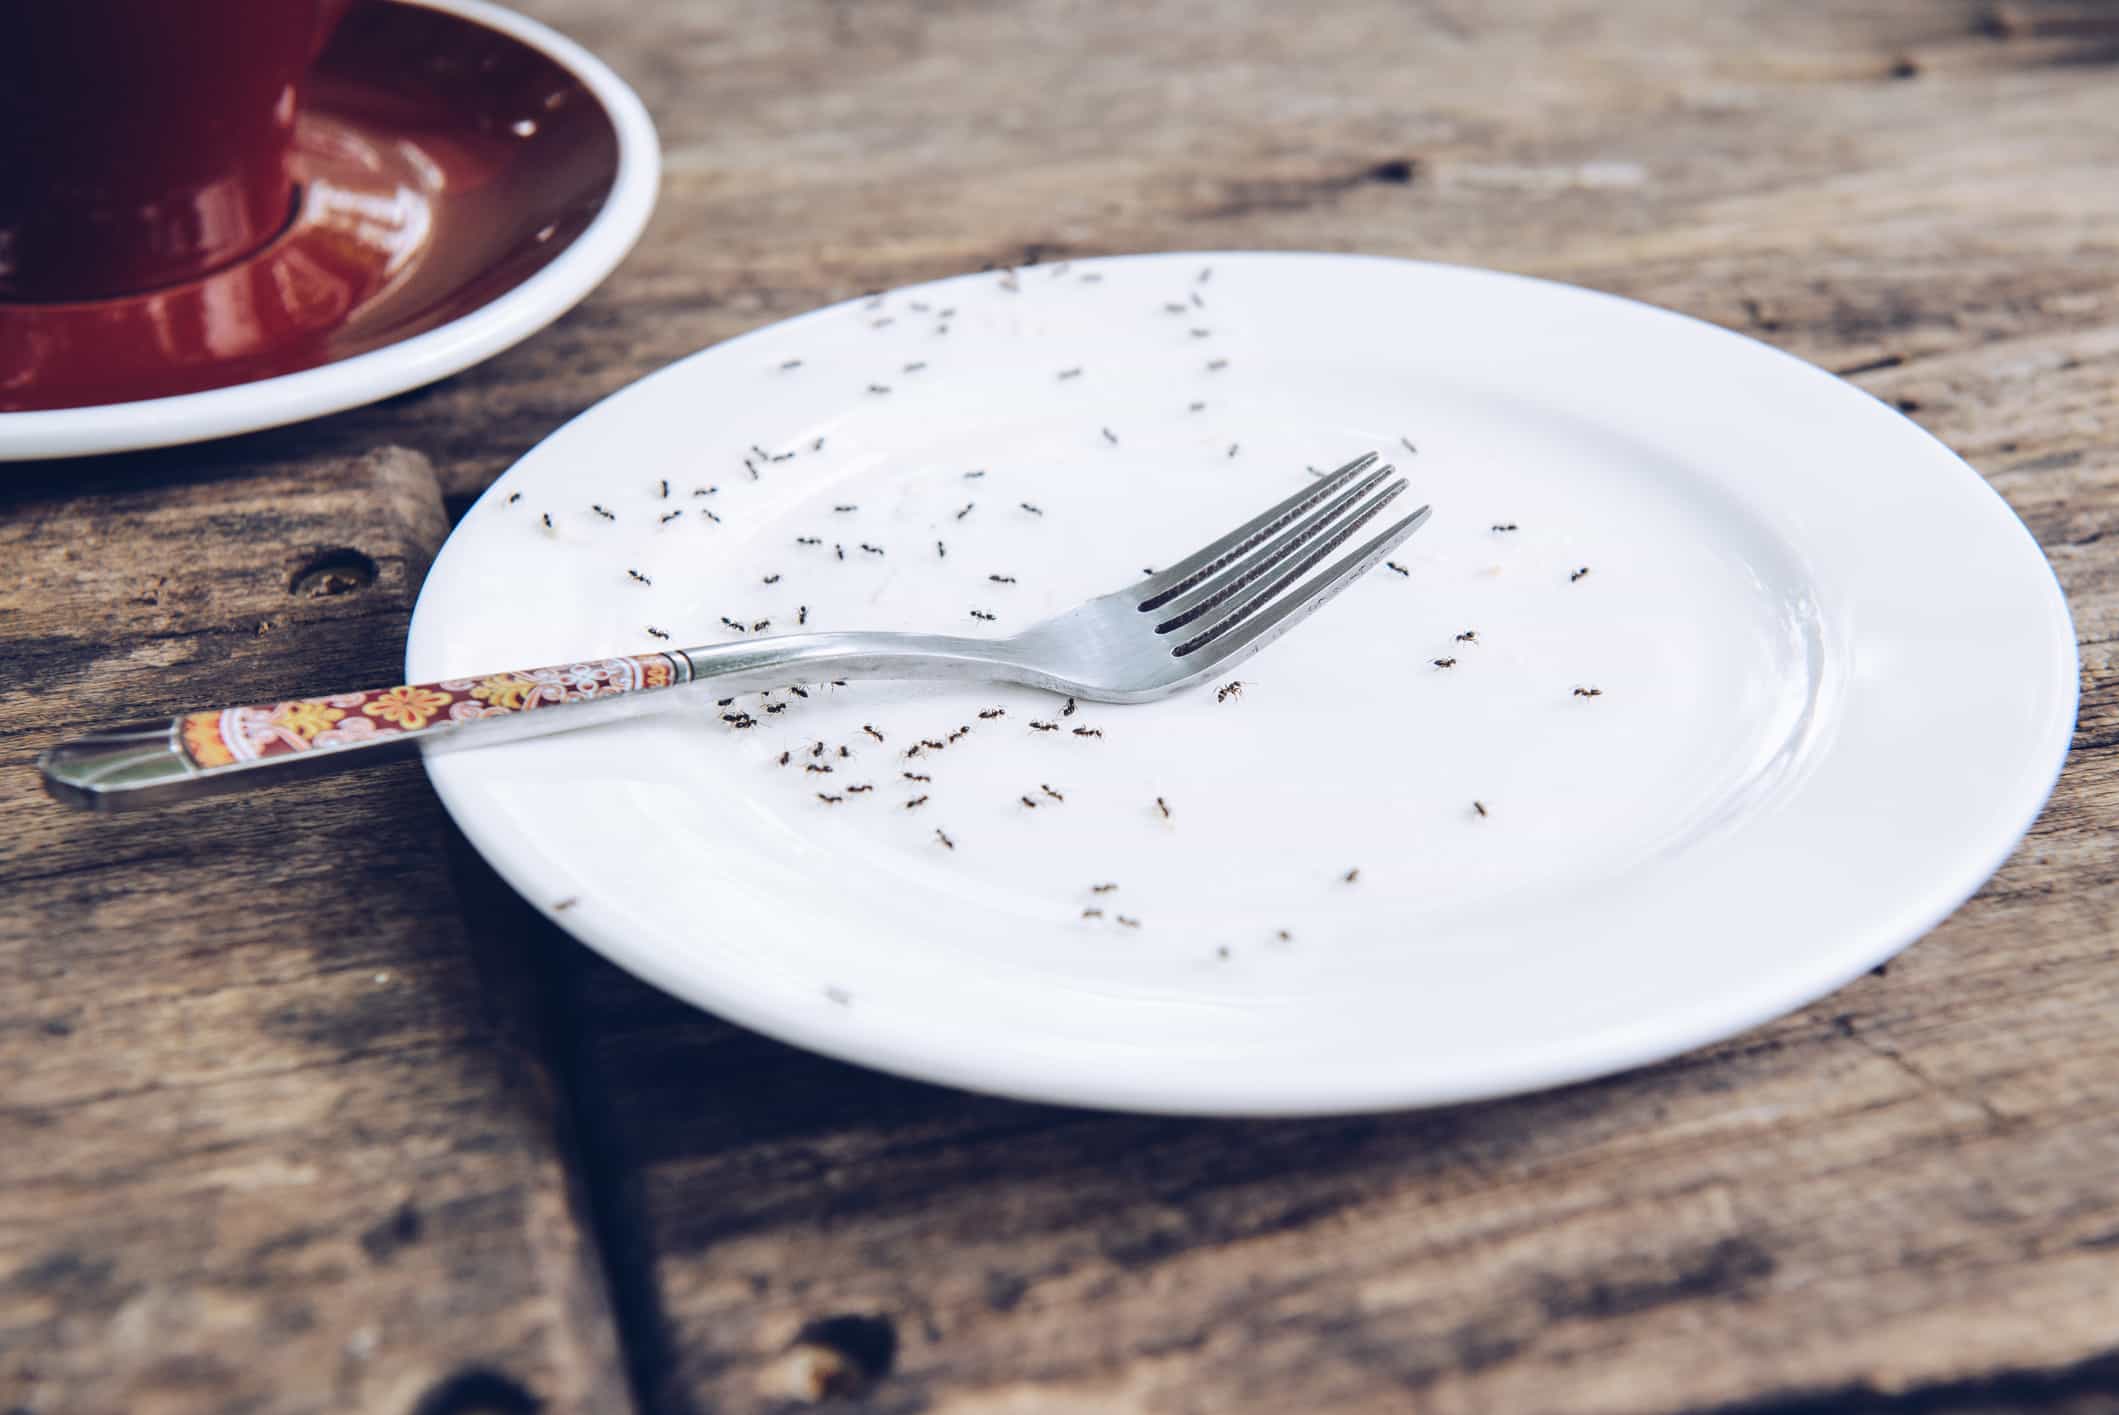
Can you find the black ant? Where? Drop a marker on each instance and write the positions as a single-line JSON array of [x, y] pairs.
[[1231, 689]]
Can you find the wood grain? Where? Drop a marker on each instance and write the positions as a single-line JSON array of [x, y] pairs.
[[272, 1136], [1898, 1200]]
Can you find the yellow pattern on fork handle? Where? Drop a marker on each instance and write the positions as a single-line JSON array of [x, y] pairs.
[[226, 736]]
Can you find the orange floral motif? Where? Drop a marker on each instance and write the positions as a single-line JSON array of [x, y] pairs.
[[202, 739], [505, 690], [410, 707], [244, 734], [306, 718]]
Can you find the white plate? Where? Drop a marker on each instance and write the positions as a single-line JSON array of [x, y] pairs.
[[1836, 678], [497, 325]]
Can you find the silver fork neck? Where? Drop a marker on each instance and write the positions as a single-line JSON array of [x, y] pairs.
[[797, 658]]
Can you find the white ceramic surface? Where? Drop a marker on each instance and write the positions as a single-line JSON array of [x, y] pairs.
[[411, 363], [1835, 679]]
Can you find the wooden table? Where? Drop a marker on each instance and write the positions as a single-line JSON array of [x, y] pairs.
[[304, 1111]]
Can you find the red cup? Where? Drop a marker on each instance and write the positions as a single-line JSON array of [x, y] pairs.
[[144, 143]]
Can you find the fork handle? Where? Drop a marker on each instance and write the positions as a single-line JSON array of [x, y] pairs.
[[152, 763], [221, 749]]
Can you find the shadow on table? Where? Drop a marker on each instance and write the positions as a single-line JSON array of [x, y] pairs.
[[716, 1157]]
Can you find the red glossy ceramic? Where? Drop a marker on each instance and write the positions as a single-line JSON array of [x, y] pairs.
[[145, 142], [436, 163]]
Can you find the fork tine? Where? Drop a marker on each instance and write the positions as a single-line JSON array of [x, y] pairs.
[[1260, 615], [1207, 595], [1209, 558]]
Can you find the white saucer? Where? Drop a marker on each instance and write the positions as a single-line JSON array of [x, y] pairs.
[[352, 135], [1834, 681]]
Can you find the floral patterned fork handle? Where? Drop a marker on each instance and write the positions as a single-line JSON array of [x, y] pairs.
[[152, 763]]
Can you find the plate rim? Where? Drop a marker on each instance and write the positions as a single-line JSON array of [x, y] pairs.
[[1587, 1057], [470, 338]]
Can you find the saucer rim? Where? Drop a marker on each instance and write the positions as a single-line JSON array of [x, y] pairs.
[[497, 325]]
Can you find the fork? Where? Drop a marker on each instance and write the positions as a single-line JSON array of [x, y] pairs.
[[1214, 608]]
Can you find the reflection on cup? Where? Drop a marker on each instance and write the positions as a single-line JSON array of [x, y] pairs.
[[145, 142]]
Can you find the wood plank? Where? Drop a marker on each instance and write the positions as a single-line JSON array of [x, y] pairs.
[[1902, 1192], [273, 1134]]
